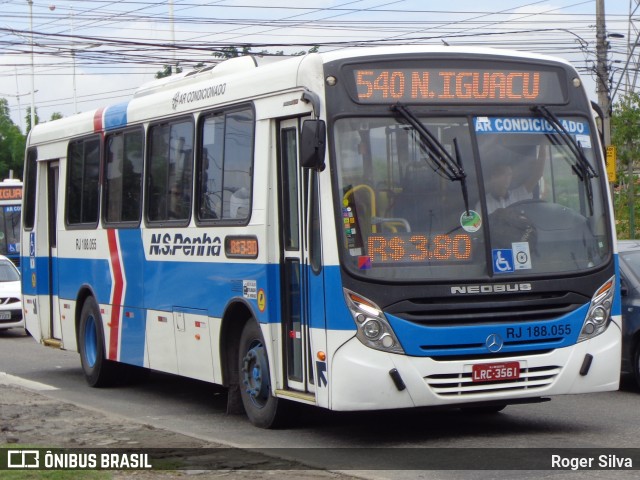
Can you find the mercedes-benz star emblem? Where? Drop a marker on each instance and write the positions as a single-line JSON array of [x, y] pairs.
[[494, 343]]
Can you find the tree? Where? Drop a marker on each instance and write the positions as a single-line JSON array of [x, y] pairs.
[[168, 71], [12, 143], [625, 128], [56, 116], [625, 135], [233, 52]]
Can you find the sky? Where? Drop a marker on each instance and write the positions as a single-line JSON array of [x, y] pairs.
[[88, 54]]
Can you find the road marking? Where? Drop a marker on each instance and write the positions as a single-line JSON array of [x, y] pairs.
[[6, 379]]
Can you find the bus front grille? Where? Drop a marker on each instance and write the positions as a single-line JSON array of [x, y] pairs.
[[462, 385], [446, 312]]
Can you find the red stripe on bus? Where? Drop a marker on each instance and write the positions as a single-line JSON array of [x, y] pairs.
[[97, 120], [118, 287]]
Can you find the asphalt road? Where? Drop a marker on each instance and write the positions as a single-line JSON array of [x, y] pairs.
[[597, 422]]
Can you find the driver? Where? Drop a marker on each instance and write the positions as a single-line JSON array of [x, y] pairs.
[[500, 193]]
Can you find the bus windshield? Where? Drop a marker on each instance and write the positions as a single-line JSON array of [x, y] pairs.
[[10, 230], [526, 198]]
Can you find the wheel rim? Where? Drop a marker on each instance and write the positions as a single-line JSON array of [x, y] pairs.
[[255, 374], [90, 341]]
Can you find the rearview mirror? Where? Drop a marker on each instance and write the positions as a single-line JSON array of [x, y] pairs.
[[312, 144]]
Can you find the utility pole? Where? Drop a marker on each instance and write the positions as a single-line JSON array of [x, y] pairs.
[[174, 65], [602, 72], [33, 87]]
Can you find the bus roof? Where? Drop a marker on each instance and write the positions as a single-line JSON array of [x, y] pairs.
[[11, 182], [438, 49]]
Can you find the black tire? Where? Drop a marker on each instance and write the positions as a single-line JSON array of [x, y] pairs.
[[98, 371], [263, 409], [635, 365]]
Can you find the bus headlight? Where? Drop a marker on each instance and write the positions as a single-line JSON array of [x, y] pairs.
[[373, 328], [599, 314]]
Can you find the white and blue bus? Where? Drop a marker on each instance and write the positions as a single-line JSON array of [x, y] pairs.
[[365, 229]]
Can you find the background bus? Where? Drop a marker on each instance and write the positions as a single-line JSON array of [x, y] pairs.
[[357, 230], [10, 214]]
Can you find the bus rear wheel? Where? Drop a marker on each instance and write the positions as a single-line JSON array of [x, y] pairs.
[[263, 409], [98, 371]]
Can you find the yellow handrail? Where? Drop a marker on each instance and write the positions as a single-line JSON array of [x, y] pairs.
[[372, 196]]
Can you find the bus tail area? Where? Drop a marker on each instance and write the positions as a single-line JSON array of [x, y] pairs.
[[383, 228]]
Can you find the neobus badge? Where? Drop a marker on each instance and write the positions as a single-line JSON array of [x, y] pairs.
[[499, 288]]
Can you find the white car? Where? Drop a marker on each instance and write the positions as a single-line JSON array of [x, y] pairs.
[[10, 295]]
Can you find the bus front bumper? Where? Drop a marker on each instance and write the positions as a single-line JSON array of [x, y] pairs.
[[362, 378]]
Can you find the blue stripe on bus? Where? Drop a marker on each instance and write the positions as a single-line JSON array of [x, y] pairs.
[[115, 116], [131, 249], [616, 308], [75, 272], [133, 336], [422, 340], [211, 286], [162, 285], [338, 315], [29, 275]]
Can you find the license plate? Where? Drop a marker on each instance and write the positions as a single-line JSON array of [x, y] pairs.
[[495, 372], [5, 315]]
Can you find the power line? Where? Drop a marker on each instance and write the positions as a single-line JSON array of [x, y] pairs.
[[278, 26]]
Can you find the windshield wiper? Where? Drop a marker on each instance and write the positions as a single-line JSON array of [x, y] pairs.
[[437, 153], [582, 168]]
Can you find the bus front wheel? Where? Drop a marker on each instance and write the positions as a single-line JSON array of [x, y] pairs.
[[98, 371], [263, 409]]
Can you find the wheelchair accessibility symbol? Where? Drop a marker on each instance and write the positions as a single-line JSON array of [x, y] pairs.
[[503, 260]]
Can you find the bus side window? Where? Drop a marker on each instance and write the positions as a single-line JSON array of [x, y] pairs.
[[82, 206], [238, 160], [113, 182], [225, 166], [123, 177], [132, 176], [210, 168], [207, 202], [170, 171]]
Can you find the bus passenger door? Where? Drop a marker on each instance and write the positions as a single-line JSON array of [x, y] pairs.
[[53, 177], [302, 290]]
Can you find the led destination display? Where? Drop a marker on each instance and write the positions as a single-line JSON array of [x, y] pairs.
[[457, 85]]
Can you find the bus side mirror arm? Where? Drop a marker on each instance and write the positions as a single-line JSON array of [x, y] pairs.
[[312, 144], [314, 100]]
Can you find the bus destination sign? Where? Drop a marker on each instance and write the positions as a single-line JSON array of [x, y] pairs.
[[10, 193], [457, 85]]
